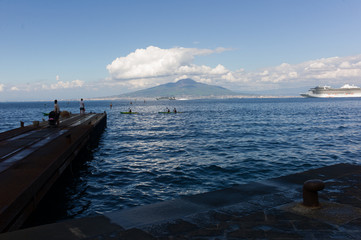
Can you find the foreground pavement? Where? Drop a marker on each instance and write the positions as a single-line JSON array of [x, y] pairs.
[[269, 209]]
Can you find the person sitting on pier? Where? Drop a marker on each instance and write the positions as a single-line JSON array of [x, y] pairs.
[[57, 111]]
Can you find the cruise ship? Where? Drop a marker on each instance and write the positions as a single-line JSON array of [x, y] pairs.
[[327, 92]]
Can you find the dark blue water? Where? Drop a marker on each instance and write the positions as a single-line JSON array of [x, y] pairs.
[[148, 157]]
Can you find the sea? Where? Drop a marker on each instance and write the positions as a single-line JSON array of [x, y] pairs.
[[209, 144]]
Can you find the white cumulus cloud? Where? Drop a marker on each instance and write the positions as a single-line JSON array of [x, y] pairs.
[[153, 66], [155, 63], [61, 84], [40, 86], [334, 70]]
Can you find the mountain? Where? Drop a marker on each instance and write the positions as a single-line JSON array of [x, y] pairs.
[[183, 88]]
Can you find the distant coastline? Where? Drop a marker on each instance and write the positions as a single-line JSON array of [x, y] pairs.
[[188, 89], [189, 98], [153, 99]]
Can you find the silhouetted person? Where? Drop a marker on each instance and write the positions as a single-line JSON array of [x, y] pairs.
[[82, 106], [57, 111]]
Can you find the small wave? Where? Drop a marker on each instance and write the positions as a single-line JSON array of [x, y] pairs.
[[150, 157]]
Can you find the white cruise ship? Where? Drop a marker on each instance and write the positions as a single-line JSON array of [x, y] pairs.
[[327, 92]]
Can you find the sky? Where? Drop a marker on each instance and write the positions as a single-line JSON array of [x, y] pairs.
[[86, 48]]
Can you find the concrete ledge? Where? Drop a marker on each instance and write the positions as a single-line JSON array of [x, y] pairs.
[[70, 230], [154, 213], [266, 210]]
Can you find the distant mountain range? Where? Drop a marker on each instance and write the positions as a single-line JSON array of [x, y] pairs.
[[185, 88]]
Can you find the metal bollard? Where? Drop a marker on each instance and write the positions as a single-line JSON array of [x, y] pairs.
[[310, 196]]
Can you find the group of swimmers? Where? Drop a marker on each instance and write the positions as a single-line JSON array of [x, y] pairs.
[[174, 110]]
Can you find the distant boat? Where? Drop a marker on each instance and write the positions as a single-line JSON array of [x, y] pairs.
[[166, 98], [345, 91], [129, 112]]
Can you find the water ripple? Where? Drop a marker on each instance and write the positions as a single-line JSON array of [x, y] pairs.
[[213, 144]]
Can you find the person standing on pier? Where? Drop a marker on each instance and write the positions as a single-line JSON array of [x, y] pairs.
[[57, 111], [82, 107]]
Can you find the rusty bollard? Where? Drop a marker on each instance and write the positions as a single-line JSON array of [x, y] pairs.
[[310, 196]]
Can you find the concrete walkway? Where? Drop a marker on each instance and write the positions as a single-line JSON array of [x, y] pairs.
[[270, 209]]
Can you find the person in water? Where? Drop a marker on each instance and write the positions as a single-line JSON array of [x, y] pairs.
[[57, 111]]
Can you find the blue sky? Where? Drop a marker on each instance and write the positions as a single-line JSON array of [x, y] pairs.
[[72, 49]]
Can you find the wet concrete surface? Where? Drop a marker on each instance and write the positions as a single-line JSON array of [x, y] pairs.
[[270, 209]]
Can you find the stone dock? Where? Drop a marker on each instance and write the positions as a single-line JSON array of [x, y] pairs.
[[33, 157], [270, 209]]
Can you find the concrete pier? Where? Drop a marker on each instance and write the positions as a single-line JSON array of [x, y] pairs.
[[33, 157], [271, 209]]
